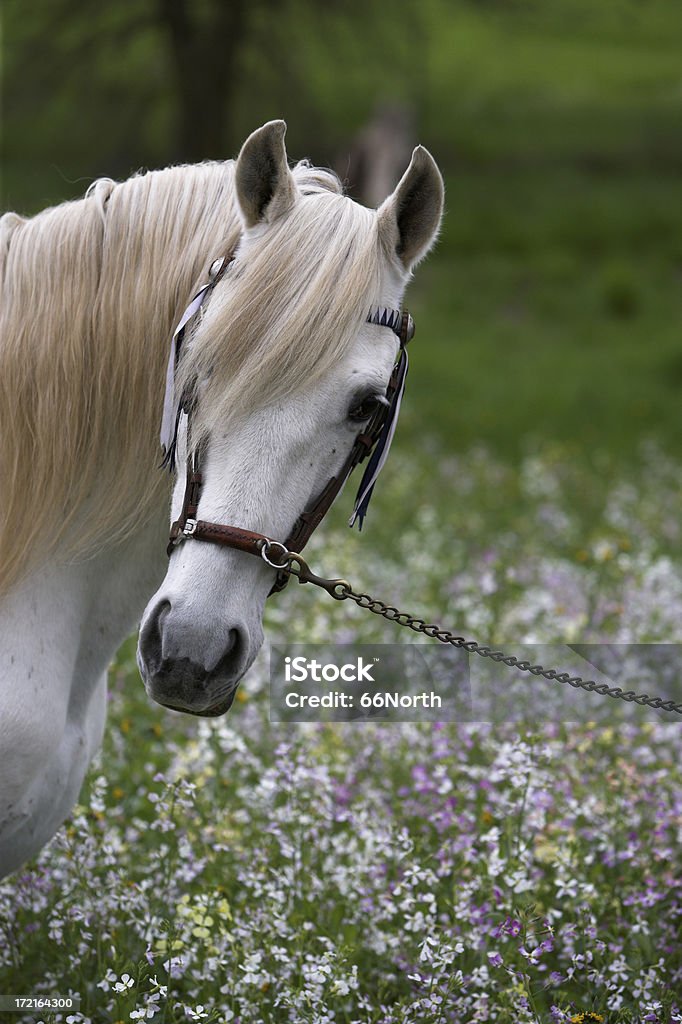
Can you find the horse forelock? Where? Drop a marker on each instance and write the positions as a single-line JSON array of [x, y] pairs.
[[90, 292], [289, 307]]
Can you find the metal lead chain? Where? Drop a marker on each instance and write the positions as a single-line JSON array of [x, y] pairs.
[[295, 565]]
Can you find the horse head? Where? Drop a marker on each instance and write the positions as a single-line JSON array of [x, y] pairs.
[[281, 370]]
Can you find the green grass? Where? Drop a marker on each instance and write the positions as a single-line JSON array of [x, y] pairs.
[[551, 311]]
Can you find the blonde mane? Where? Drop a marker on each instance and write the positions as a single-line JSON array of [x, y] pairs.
[[90, 292]]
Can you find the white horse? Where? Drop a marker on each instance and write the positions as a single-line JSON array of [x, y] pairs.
[[286, 368]]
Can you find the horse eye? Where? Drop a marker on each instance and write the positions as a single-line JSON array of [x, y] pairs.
[[365, 408]]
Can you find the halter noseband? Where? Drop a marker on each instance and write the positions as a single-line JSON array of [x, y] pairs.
[[375, 438]]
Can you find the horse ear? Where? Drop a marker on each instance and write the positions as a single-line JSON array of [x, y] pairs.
[[265, 186], [409, 219]]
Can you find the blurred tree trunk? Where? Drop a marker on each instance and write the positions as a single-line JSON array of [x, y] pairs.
[[204, 53], [380, 153]]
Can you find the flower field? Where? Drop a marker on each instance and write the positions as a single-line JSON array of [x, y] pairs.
[[234, 870]]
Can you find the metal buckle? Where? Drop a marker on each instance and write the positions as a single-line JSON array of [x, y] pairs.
[[265, 551], [406, 328], [190, 528]]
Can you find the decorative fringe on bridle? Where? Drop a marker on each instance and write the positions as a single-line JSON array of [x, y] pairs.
[[383, 444], [172, 404]]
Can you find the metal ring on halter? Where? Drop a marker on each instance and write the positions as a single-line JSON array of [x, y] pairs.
[[265, 548]]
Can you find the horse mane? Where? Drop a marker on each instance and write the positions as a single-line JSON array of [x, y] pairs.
[[90, 292]]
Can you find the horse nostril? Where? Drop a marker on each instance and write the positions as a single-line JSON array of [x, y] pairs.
[[236, 645], [151, 637]]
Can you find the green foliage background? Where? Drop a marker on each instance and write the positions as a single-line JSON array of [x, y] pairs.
[[551, 308]]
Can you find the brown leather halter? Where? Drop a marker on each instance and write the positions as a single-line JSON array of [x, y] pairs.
[[188, 526]]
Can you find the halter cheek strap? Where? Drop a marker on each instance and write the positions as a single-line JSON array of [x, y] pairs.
[[375, 439]]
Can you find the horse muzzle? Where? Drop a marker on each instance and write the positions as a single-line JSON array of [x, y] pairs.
[[195, 671]]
